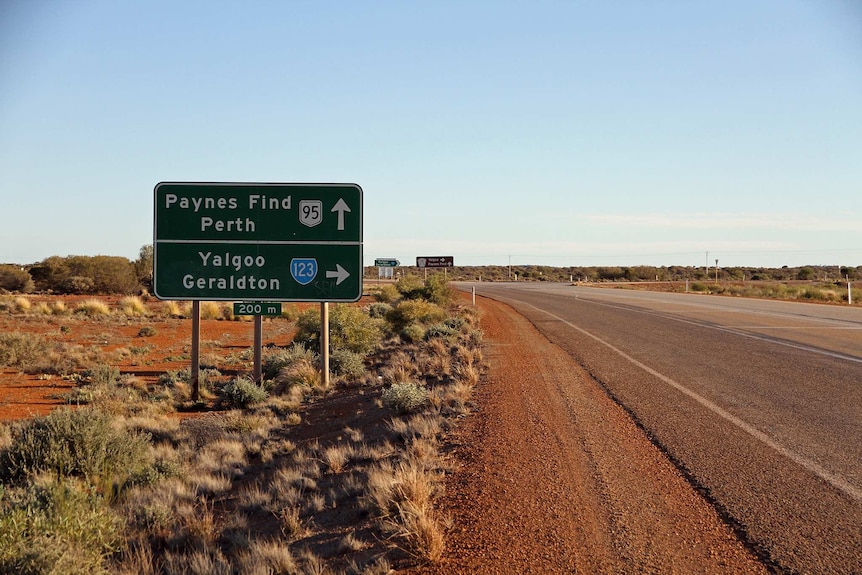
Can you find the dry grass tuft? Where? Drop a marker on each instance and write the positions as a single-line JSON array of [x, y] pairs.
[[93, 308], [211, 310], [337, 456], [133, 306], [21, 304]]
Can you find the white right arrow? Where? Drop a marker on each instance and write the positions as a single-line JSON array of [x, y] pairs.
[[340, 273]]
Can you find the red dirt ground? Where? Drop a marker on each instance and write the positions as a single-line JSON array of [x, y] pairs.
[[550, 475], [25, 395]]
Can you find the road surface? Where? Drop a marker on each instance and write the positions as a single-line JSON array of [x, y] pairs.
[[757, 403]]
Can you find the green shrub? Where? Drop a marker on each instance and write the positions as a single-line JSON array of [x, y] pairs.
[[387, 293], [173, 377], [411, 287], [349, 328], [273, 363], [413, 333], [435, 289], [242, 392], [74, 442], [147, 331], [21, 349], [62, 527], [440, 330], [103, 375], [379, 309], [415, 311], [347, 364], [405, 397]]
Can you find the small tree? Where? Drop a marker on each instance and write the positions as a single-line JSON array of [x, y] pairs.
[[13, 278], [805, 273], [144, 266]]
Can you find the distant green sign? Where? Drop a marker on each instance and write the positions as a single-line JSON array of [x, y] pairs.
[[257, 308], [258, 242], [386, 262]]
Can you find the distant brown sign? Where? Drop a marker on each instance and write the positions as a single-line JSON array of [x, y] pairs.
[[435, 262]]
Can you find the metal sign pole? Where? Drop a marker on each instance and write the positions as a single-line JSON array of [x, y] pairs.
[[196, 350], [258, 349], [324, 343]]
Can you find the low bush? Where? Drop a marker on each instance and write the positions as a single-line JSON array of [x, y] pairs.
[[58, 527], [346, 364], [350, 328], [415, 311], [387, 293], [242, 392], [440, 330], [21, 349], [274, 362], [147, 331], [413, 333], [103, 375], [80, 442], [405, 397], [379, 310]]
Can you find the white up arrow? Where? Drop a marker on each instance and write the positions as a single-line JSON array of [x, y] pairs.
[[340, 273], [340, 207]]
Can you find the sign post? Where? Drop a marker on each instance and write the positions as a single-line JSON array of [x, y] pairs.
[[385, 267], [435, 262], [426, 262], [257, 242]]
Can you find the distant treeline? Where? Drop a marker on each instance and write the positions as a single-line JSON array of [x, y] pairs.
[[81, 275], [118, 275], [631, 273]]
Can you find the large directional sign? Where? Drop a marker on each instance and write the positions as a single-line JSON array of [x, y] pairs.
[[258, 242]]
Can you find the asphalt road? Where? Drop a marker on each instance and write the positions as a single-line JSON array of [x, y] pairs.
[[758, 403]]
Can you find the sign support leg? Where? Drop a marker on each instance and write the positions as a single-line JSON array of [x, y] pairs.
[[258, 349], [196, 350], [324, 343]]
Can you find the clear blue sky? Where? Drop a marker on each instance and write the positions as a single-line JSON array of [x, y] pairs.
[[556, 133]]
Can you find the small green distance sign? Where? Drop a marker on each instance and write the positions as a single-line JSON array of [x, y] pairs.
[[257, 308], [257, 242]]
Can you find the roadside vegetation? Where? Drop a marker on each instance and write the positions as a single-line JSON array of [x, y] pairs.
[[283, 476]]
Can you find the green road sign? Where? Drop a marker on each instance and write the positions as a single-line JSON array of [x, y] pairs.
[[386, 262], [257, 308], [258, 242]]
